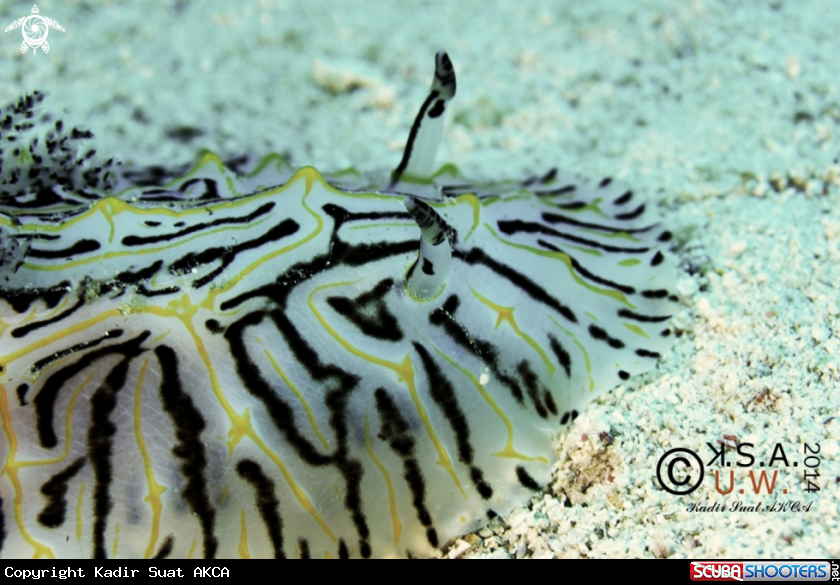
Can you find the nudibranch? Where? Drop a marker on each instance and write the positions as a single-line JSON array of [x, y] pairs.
[[276, 364]]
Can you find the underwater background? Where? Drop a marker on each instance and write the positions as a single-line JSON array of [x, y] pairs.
[[723, 114]]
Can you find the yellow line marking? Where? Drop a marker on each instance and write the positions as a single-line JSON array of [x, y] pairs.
[[506, 315], [184, 311], [279, 163], [381, 224], [79, 505], [45, 341], [509, 450], [404, 372], [58, 308], [68, 429], [610, 235], [208, 303], [392, 497], [565, 259], [10, 469], [581, 348], [311, 415], [476, 205], [243, 537], [116, 540], [636, 329], [138, 251], [155, 489], [590, 251], [593, 207]]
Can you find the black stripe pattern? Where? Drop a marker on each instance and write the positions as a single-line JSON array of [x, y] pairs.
[[229, 361]]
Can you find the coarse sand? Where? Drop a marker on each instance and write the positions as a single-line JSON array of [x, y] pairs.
[[725, 114]]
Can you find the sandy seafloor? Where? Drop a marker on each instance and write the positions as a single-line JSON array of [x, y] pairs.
[[725, 114]]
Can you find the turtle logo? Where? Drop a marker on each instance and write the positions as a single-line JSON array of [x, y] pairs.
[[35, 31]]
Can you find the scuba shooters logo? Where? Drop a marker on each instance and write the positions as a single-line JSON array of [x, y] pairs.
[[798, 571], [717, 571]]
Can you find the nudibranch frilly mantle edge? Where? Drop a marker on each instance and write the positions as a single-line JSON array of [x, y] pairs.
[[269, 364]]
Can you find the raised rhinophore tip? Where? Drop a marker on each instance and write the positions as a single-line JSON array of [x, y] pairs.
[[418, 158], [427, 276]]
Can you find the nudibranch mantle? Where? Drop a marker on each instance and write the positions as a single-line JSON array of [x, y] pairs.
[[268, 364]]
